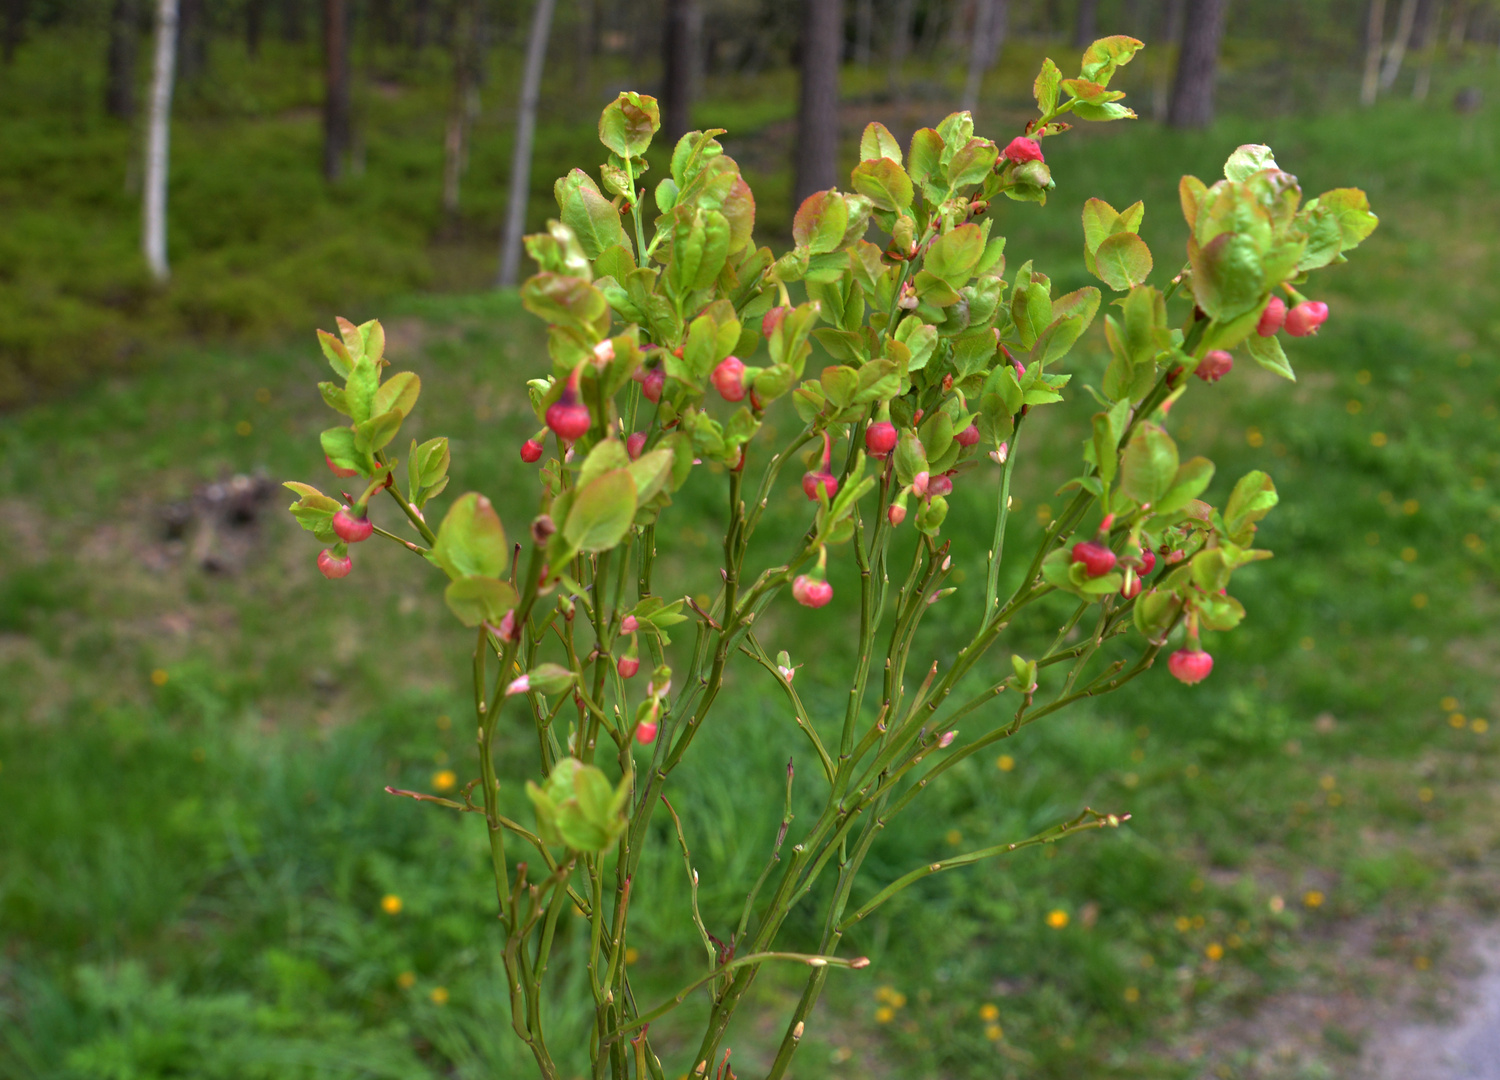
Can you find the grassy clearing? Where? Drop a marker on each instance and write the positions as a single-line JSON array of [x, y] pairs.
[[198, 853]]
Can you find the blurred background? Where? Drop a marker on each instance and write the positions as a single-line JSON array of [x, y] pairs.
[[200, 875]]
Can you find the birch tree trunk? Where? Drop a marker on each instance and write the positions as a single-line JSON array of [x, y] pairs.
[[1198, 64], [119, 82], [818, 113], [1397, 52], [1374, 42], [1429, 16], [989, 34], [455, 141], [520, 163], [158, 134]]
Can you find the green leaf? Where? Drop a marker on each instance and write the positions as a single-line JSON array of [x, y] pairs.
[[338, 444], [1267, 352], [1109, 110], [1352, 209], [337, 353], [375, 433], [627, 124], [361, 388], [1149, 465], [1122, 261], [1227, 275], [1105, 55], [884, 183], [1247, 160], [700, 246], [926, 156], [602, 512], [593, 218], [471, 540], [1045, 88], [607, 455], [919, 337], [973, 163], [398, 393], [335, 398], [479, 599], [877, 142], [650, 472], [820, 222], [1192, 480], [314, 511], [1106, 455], [1252, 499], [954, 255]]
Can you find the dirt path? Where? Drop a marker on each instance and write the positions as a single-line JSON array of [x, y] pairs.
[[1467, 1048]]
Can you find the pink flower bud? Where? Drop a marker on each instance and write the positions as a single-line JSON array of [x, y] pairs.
[[787, 673], [604, 352], [771, 320], [351, 529], [1271, 318], [518, 685], [627, 666], [919, 483], [568, 417], [880, 438], [334, 566], [1097, 559], [531, 451], [811, 593], [506, 631], [652, 383], [895, 513], [1190, 665], [1023, 149], [1147, 562], [628, 625], [946, 740], [342, 474], [813, 480], [728, 378], [635, 443], [1215, 364], [940, 484], [1132, 585], [645, 732], [1306, 317], [1000, 454], [968, 436]]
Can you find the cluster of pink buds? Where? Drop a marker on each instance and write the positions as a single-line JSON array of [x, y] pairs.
[[729, 378], [1300, 321], [652, 380], [630, 663]]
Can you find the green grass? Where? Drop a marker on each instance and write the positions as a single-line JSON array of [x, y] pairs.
[[192, 872]]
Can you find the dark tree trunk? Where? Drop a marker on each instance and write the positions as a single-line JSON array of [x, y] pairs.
[[421, 30], [1171, 37], [682, 32], [817, 152], [520, 162], [192, 40], [1198, 64], [255, 24], [1086, 26], [119, 83], [900, 48], [337, 118], [15, 28], [293, 26]]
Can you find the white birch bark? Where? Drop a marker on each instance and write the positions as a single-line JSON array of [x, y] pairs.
[[520, 164], [158, 135], [1374, 44], [1397, 52]]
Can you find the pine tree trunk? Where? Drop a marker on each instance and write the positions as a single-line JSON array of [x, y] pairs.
[[682, 30], [1198, 64], [119, 83], [337, 110], [158, 135], [1374, 44], [818, 113], [255, 25], [520, 165], [293, 28], [192, 40], [1171, 37], [989, 34], [588, 41], [16, 12], [1397, 52], [900, 42], [1086, 26]]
